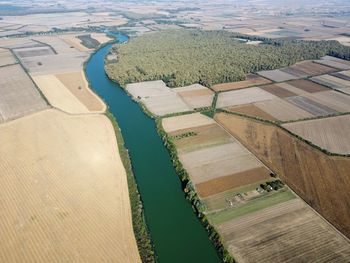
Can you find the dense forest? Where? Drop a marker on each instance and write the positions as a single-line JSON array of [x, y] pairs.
[[183, 57]]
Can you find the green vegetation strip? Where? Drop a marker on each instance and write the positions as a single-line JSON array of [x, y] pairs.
[[252, 206], [183, 57], [143, 238], [88, 41]]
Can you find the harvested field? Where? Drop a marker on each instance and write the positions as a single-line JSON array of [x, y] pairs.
[[55, 64], [278, 91], [293, 70], [182, 122], [204, 136], [340, 81], [58, 44], [311, 68], [277, 75], [331, 134], [64, 191], [196, 96], [341, 75], [342, 61], [6, 57], [19, 96], [33, 52], [283, 110], [251, 80], [235, 180], [252, 110], [244, 96], [214, 162], [75, 42], [334, 64], [313, 107], [76, 83], [157, 97], [165, 104], [307, 85], [101, 37], [321, 180], [291, 88], [332, 99], [58, 95], [329, 82], [285, 232]]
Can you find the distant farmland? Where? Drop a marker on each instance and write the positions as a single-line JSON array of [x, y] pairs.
[[319, 179]]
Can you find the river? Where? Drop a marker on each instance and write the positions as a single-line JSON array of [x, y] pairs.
[[177, 234]]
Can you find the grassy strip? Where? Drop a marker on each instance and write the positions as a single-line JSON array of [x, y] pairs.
[[143, 238], [251, 206], [192, 196]]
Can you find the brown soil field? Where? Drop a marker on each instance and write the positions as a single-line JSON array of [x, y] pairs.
[[58, 95], [315, 108], [6, 57], [77, 84], [75, 42], [199, 98], [332, 99], [294, 70], [64, 193], [225, 183], [251, 80], [331, 134], [252, 110], [206, 136], [283, 110], [217, 161], [333, 64], [312, 69], [286, 232], [321, 180], [341, 75], [307, 85], [278, 91]]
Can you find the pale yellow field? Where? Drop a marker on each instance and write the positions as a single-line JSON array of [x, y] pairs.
[[77, 84], [58, 95], [64, 194], [75, 42], [101, 37]]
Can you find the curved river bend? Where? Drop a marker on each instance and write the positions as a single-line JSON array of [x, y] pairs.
[[177, 234]]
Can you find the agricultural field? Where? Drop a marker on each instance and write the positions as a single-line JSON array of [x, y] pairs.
[[277, 75], [331, 134], [312, 174], [58, 95], [33, 51], [196, 96], [288, 101], [6, 57], [251, 80], [284, 231], [79, 195], [76, 83], [334, 62], [333, 82], [241, 97], [19, 96], [215, 161], [162, 100]]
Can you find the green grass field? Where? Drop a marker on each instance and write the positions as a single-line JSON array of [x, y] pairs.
[[252, 206]]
